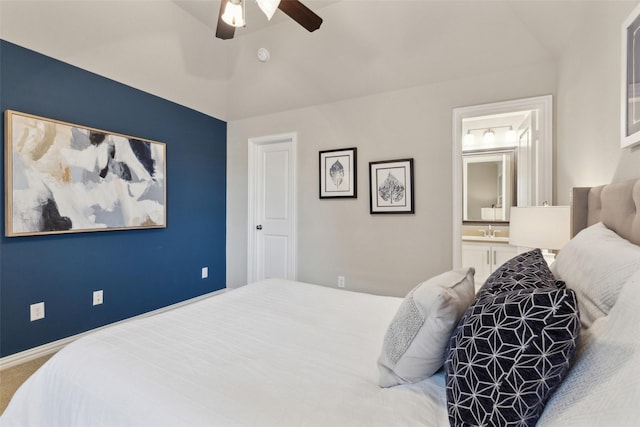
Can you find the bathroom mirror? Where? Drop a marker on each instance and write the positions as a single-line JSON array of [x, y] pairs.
[[489, 185]]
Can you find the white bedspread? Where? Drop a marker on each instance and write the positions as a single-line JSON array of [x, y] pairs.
[[274, 353]]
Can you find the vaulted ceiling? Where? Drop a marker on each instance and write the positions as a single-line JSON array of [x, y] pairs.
[[167, 47]]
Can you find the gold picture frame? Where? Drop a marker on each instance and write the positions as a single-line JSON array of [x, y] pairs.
[[65, 178]]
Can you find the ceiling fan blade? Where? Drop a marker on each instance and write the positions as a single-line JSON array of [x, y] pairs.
[[301, 14], [224, 31]]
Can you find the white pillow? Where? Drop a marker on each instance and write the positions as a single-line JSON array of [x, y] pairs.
[[595, 264], [416, 340], [603, 386]]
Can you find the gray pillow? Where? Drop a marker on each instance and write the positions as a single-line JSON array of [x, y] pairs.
[[416, 340], [596, 264]]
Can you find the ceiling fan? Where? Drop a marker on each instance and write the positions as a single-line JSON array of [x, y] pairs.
[[232, 15]]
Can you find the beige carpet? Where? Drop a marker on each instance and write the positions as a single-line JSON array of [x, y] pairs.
[[12, 378]]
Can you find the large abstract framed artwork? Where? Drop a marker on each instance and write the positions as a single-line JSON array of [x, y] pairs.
[[630, 106], [338, 173], [391, 186], [65, 178]]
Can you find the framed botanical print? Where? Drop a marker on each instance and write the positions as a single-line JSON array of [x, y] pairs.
[[338, 173], [391, 186]]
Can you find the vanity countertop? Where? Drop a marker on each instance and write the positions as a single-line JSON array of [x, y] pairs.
[[485, 239]]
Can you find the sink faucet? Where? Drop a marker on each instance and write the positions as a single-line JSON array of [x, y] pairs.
[[489, 231]]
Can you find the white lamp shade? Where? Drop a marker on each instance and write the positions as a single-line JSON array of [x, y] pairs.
[[489, 137], [469, 139], [234, 13], [269, 7], [544, 227]]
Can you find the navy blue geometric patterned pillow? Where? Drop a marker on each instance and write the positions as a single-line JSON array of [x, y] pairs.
[[524, 271], [509, 354], [528, 270]]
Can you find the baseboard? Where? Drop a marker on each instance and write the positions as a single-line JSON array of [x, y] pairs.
[[52, 347]]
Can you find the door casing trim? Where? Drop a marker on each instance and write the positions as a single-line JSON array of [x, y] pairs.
[[544, 104]]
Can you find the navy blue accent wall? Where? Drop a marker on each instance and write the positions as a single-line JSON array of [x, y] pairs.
[[139, 270]]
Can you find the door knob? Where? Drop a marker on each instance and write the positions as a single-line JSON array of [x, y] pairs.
[[258, 227]]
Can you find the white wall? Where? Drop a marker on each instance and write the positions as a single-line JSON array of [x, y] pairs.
[[417, 123], [588, 105], [386, 254]]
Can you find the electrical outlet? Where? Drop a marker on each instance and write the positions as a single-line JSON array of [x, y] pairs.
[[37, 311], [205, 272], [341, 282], [97, 297]]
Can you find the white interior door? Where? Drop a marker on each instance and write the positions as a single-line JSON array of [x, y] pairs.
[[272, 220]]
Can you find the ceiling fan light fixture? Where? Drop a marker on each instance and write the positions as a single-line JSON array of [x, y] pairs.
[[234, 13], [269, 7]]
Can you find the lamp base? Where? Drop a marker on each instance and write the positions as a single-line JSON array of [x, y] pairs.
[[548, 256]]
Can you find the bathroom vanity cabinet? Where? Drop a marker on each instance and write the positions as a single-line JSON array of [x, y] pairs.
[[486, 257]]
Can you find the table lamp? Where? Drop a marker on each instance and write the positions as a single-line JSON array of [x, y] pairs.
[[544, 227]]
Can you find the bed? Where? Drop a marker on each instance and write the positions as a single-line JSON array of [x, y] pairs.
[[282, 353]]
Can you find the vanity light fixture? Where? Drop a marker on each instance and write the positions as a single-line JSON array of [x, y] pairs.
[[511, 135], [469, 138], [488, 137]]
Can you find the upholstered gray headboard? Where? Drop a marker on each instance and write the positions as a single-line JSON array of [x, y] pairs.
[[616, 205]]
